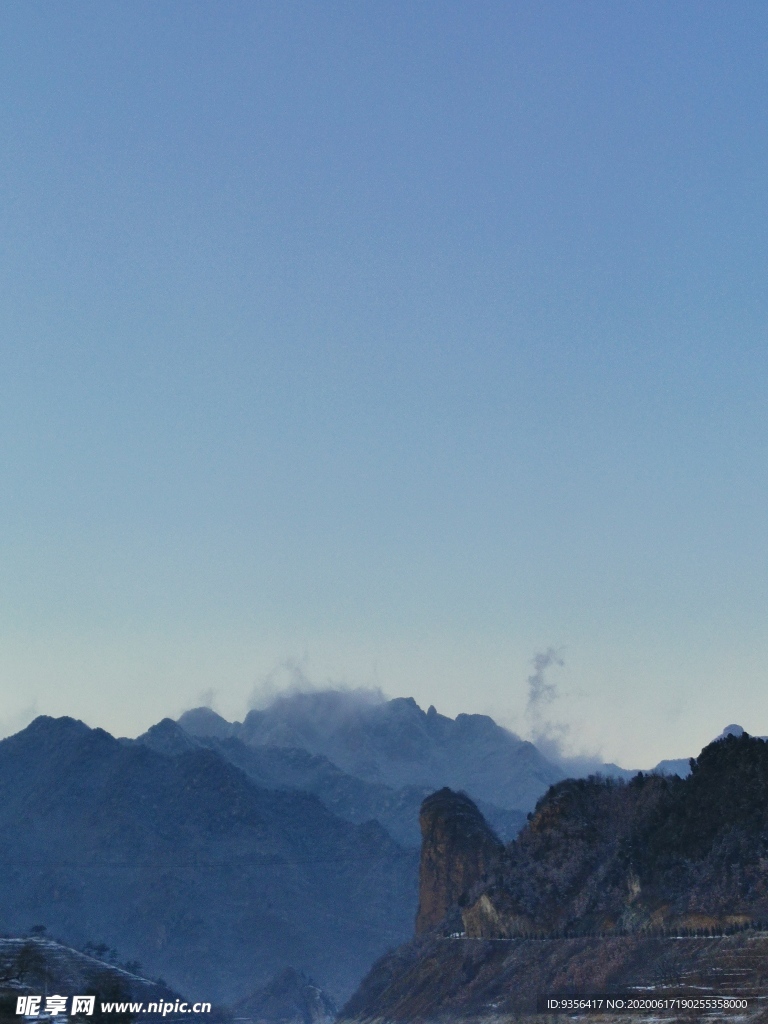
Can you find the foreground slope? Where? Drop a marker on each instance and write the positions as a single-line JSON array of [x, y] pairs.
[[37, 965], [463, 981], [183, 863]]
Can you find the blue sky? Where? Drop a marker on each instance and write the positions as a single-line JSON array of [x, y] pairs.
[[401, 341]]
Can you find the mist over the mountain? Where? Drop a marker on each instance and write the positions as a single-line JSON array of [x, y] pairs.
[[553, 736], [404, 751], [394, 743]]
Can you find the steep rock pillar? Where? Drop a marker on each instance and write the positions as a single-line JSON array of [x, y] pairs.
[[458, 849]]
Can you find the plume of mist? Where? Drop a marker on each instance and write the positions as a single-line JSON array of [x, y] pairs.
[[287, 677], [206, 699], [540, 691], [554, 738], [549, 735], [289, 683]]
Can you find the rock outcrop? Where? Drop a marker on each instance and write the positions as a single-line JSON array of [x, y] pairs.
[[458, 851], [610, 887]]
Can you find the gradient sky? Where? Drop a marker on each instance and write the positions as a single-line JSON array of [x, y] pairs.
[[389, 343]]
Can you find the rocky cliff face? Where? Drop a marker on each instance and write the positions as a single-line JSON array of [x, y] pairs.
[[458, 851]]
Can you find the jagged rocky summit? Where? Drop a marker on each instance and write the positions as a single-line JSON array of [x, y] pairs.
[[394, 743]]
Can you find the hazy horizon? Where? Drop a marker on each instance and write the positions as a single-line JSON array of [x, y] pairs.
[[552, 738]]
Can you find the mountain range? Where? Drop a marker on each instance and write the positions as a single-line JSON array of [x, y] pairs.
[[222, 854], [185, 864], [394, 743], [367, 758]]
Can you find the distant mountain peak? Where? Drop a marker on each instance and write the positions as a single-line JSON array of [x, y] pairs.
[[46, 724], [398, 703], [290, 998], [64, 732], [682, 765], [206, 722], [168, 737]]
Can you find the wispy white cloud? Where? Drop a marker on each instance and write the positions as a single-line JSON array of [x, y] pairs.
[[20, 720]]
